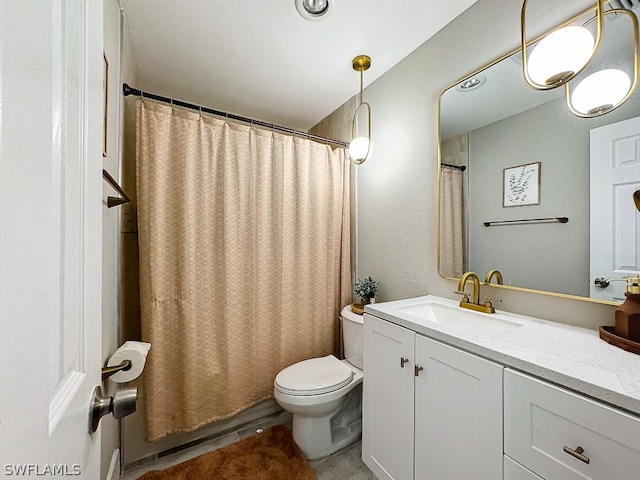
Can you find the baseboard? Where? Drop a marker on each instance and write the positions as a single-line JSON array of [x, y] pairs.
[[135, 450], [281, 414], [114, 466]]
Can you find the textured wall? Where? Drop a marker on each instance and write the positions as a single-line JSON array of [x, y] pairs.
[[397, 186]]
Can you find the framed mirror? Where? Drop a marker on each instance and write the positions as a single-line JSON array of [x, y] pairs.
[[532, 190]]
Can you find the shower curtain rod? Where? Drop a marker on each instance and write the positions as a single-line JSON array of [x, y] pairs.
[[455, 167], [127, 90]]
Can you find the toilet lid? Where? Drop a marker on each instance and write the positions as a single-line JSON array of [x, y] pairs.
[[314, 376]]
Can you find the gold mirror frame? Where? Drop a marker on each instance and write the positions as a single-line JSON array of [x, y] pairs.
[[439, 139]]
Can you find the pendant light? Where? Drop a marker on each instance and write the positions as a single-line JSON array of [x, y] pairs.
[[560, 55], [605, 90], [360, 146]]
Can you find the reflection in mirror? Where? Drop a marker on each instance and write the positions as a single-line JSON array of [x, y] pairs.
[[528, 158]]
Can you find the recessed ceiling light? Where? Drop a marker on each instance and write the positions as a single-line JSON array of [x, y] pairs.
[[471, 83], [313, 10]]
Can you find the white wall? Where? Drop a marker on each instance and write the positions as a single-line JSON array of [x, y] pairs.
[[110, 431], [121, 66], [397, 186]]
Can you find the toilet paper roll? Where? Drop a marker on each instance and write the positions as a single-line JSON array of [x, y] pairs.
[[136, 352]]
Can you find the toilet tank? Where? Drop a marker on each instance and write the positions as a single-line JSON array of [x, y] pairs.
[[352, 336]]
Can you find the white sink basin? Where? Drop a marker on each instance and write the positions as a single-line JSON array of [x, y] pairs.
[[468, 321]]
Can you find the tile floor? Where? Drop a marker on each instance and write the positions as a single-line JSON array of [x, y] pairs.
[[345, 464]]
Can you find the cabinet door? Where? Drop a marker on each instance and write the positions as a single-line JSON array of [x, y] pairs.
[[514, 471], [387, 430], [458, 414]]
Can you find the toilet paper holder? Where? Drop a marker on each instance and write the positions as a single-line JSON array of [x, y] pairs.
[[123, 367]]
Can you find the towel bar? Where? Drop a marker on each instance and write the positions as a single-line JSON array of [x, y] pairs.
[[115, 201]]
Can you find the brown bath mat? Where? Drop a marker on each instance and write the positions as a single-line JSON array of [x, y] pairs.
[[270, 455]]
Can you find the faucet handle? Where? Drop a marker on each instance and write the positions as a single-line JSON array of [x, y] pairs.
[[488, 300], [465, 296]]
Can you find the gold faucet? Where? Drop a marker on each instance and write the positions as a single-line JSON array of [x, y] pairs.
[[497, 274], [487, 307]]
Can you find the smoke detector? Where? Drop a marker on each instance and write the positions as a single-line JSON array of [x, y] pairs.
[[313, 10]]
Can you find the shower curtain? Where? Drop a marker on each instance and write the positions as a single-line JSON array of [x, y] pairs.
[[244, 261], [451, 235]]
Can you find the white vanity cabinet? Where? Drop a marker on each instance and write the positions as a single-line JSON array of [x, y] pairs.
[[514, 471], [388, 399], [560, 435], [431, 411]]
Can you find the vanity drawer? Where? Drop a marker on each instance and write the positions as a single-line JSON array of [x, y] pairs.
[[540, 420]]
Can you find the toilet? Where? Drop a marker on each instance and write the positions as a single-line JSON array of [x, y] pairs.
[[324, 394]]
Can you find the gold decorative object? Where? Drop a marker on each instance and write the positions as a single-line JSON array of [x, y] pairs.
[[357, 308]]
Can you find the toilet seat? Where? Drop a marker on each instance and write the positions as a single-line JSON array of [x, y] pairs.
[[314, 377]]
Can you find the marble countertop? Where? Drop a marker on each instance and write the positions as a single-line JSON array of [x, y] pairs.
[[572, 357]]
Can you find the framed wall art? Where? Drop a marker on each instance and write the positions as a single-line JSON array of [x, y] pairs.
[[521, 185]]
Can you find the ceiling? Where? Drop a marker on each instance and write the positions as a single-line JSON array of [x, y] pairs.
[[261, 59]]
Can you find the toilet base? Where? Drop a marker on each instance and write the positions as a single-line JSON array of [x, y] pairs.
[[318, 437]]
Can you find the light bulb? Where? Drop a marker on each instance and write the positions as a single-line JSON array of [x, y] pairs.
[[314, 10], [359, 148], [559, 55], [600, 92], [315, 7]]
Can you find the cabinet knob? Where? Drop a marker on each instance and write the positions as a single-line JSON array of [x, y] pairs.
[[403, 361], [417, 370], [577, 453]]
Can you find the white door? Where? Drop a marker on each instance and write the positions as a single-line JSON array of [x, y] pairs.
[[614, 220], [51, 110], [387, 428], [458, 419]]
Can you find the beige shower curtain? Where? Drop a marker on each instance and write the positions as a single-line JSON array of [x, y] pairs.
[[451, 234], [244, 261]]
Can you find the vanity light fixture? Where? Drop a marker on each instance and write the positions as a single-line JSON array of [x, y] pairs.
[[313, 10], [599, 93], [360, 146], [606, 89], [562, 54]]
